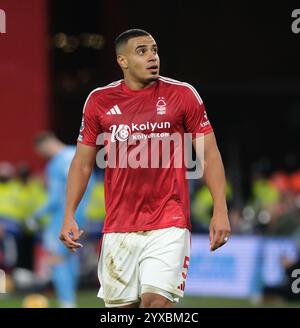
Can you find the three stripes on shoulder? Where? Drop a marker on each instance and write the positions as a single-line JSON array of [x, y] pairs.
[[114, 111]]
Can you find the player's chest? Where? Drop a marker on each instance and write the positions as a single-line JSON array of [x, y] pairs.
[[141, 113]]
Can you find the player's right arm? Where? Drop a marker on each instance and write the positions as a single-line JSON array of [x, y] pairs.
[[80, 171], [78, 177]]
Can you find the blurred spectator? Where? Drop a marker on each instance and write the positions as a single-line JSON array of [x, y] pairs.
[[31, 195], [295, 182], [10, 215], [236, 221], [8, 251], [95, 211], [281, 181], [32, 192], [202, 207], [274, 204], [284, 291], [64, 264], [284, 218], [264, 193]]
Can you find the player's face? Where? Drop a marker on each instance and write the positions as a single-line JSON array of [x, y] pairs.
[[141, 61]]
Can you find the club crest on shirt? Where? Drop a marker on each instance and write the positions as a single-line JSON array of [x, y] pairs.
[[161, 106]]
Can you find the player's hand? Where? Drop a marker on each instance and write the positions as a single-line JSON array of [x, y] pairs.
[[219, 230], [69, 234]]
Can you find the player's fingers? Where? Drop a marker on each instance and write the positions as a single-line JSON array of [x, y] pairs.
[[69, 242], [77, 235], [74, 245], [216, 240], [225, 236], [73, 248], [74, 235], [221, 238], [61, 237], [211, 234]]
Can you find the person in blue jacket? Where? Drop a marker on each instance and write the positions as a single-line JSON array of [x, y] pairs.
[[65, 266]]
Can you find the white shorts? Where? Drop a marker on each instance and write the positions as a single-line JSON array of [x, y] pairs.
[[134, 263]]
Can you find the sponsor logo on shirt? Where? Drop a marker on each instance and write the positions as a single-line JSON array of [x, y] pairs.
[[122, 132]]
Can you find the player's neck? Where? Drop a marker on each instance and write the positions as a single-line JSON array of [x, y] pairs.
[[137, 85]]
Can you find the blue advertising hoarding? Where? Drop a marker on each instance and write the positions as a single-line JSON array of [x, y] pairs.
[[240, 268]]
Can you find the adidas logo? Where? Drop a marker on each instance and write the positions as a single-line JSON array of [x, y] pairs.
[[114, 111]]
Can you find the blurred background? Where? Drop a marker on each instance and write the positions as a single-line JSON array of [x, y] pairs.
[[242, 57]]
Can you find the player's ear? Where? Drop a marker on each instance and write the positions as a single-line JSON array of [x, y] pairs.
[[122, 61]]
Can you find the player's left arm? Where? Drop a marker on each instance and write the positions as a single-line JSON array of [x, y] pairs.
[[214, 176]]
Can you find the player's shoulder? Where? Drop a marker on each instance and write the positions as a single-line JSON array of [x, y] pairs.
[[186, 90], [176, 84], [104, 90]]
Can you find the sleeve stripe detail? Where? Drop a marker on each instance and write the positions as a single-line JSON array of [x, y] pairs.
[[111, 85], [171, 81]]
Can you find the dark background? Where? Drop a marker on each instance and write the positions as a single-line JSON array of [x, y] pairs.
[[242, 57]]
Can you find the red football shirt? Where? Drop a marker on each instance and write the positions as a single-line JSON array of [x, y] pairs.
[[139, 197]]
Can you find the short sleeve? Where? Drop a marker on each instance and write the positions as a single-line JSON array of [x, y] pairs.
[[195, 116], [90, 127]]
